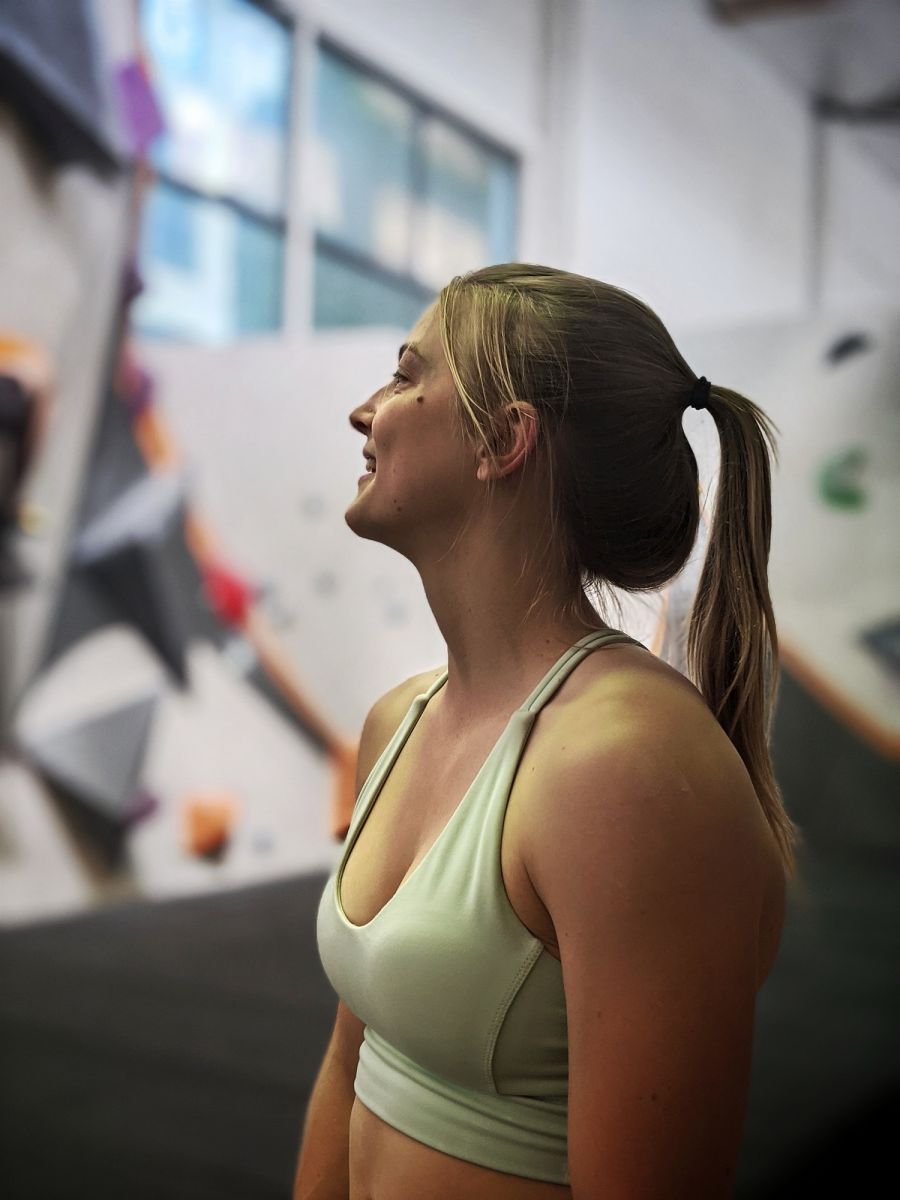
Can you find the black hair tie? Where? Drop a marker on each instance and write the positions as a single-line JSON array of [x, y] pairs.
[[700, 394]]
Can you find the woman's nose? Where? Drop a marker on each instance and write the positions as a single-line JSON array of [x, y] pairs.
[[363, 412]]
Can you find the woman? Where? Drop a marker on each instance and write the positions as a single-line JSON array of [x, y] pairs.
[[547, 946]]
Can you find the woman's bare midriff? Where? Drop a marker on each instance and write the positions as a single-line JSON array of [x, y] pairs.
[[384, 1162]]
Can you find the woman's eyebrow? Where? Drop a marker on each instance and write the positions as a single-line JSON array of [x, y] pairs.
[[413, 349]]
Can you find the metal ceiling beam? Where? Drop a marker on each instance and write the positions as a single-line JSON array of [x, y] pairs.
[[883, 110]]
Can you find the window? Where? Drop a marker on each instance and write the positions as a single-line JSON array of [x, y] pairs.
[[213, 231], [406, 197]]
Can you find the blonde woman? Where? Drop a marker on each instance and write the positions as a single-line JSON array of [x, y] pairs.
[[564, 878]]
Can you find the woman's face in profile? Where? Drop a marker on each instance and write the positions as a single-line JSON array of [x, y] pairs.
[[422, 467]]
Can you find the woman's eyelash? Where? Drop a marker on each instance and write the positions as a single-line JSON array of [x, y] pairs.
[[398, 375]]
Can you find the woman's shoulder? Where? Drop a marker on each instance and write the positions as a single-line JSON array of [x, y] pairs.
[[637, 694], [643, 723]]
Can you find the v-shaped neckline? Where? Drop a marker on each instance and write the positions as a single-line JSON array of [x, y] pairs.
[[415, 711]]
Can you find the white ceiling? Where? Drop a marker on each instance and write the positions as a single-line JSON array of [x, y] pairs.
[[846, 49]]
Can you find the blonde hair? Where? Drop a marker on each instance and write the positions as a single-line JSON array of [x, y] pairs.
[[609, 387]]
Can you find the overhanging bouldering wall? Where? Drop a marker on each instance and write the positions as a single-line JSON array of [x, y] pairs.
[[64, 198]]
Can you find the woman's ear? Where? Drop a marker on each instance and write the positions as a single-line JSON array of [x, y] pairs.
[[524, 430], [518, 443]]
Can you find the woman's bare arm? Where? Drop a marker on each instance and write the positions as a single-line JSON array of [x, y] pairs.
[[652, 871]]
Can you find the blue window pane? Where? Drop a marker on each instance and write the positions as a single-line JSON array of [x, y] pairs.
[[221, 69], [346, 295], [169, 229], [210, 273], [503, 209], [400, 188], [468, 216], [258, 267], [363, 163]]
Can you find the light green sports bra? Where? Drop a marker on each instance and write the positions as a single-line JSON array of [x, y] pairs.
[[465, 1045]]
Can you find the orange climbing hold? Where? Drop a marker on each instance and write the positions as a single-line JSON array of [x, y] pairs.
[[209, 820]]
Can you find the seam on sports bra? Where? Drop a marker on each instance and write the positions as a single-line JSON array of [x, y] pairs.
[[500, 1016]]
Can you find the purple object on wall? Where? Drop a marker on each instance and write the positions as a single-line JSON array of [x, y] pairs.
[[141, 805], [132, 283], [141, 115]]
